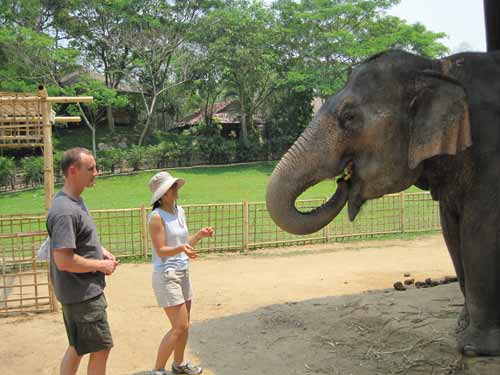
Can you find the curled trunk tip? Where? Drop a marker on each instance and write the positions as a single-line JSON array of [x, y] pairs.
[[282, 209]]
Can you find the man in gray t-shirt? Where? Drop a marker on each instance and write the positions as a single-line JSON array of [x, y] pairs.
[[70, 226], [78, 265]]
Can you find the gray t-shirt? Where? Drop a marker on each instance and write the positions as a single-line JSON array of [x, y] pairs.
[[70, 226]]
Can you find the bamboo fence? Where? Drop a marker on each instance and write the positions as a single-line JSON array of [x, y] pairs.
[[24, 281]]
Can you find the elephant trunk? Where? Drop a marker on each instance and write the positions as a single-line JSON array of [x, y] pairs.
[[298, 170]]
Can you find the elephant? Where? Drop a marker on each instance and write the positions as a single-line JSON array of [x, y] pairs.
[[402, 120]]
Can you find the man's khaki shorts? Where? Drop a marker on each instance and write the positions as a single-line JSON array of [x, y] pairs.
[[172, 288], [87, 325]]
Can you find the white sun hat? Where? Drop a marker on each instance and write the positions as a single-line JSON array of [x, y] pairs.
[[161, 182]]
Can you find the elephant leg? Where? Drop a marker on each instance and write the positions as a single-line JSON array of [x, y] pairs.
[[451, 233], [480, 254]]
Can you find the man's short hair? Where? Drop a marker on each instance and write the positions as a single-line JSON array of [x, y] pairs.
[[72, 157]]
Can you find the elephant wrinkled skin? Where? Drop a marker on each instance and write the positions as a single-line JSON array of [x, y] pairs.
[[405, 120]]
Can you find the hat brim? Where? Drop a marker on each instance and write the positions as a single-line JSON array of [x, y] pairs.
[[164, 188]]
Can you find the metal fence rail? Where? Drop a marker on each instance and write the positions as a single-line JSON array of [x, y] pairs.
[[24, 281]]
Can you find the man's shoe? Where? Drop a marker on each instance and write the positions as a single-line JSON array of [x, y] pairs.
[[188, 368]]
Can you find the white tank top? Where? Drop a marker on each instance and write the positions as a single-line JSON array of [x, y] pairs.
[[176, 233]]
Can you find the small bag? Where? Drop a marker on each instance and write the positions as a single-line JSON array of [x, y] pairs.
[[43, 252]]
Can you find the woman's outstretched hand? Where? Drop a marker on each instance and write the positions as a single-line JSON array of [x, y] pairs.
[[206, 232]]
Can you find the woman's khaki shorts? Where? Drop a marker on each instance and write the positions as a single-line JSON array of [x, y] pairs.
[[172, 288]]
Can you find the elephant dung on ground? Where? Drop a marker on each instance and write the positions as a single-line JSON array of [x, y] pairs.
[[405, 120]]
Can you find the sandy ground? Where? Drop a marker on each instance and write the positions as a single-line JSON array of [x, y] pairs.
[[312, 310]]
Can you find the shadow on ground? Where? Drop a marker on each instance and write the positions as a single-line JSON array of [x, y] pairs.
[[382, 332]]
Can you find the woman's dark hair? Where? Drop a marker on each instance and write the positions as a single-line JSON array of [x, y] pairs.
[[158, 203]]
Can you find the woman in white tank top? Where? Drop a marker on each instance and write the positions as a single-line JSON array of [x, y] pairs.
[[172, 250]]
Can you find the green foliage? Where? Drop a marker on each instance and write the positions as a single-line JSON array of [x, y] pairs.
[[7, 170], [33, 169], [102, 95], [103, 31], [135, 156], [155, 156], [212, 146], [322, 39], [30, 48], [171, 147], [199, 144], [110, 160], [241, 40], [217, 149], [251, 152], [56, 162], [289, 113]]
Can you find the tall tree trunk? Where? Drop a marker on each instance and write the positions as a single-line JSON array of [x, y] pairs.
[[110, 117], [244, 124], [244, 131], [90, 126], [145, 129], [94, 150]]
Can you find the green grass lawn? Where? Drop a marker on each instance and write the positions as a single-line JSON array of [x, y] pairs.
[[204, 185], [225, 184]]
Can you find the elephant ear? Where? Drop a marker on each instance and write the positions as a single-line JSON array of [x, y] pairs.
[[439, 118]]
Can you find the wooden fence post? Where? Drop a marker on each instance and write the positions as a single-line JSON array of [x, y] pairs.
[[245, 226], [402, 196], [48, 167], [327, 228], [144, 232], [48, 172]]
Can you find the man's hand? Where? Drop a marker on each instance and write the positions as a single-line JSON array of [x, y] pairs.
[[66, 260], [107, 255], [107, 266], [188, 249]]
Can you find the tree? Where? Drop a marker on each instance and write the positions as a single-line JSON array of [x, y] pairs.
[[101, 31], [288, 113], [94, 112], [160, 46], [7, 171], [240, 38], [30, 44], [323, 39]]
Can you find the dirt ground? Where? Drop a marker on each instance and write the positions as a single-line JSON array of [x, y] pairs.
[[327, 309]]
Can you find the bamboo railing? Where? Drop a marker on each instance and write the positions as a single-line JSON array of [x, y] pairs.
[[237, 227]]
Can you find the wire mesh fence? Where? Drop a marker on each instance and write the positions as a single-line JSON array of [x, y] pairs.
[[225, 219], [24, 284], [120, 231]]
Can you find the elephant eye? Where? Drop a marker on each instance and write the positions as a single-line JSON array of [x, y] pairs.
[[347, 118]]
